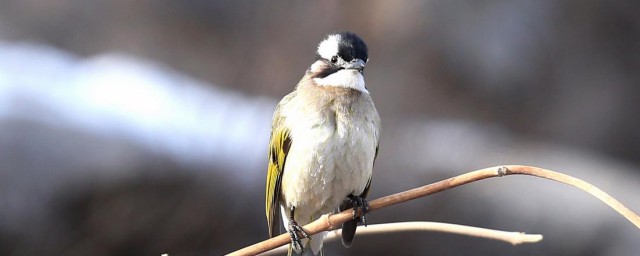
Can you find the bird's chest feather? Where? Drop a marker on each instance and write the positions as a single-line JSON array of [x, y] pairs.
[[331, 156]]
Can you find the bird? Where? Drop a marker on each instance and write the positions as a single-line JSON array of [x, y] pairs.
[[323, 145]]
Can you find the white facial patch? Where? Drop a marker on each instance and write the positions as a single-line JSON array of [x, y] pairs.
[[329, 47], [348, 78]]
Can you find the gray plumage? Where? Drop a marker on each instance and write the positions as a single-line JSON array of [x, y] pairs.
[[333, 130]]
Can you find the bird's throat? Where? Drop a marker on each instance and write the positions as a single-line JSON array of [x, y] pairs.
[[346, 78]]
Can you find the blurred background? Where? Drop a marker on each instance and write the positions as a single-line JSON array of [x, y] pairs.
[[141, 127]]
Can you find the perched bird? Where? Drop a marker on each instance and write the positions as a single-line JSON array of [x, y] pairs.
[[324, 140]]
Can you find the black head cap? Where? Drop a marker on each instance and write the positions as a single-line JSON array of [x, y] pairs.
[[345, 45], [351, 46]]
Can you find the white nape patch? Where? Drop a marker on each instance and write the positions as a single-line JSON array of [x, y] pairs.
[[348, 78], [329, 47]]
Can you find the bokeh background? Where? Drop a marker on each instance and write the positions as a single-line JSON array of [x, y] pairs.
[[141, 127]]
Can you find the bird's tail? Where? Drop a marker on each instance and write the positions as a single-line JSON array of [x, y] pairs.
[[348, 227]]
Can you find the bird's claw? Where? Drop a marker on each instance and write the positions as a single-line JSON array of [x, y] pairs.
[[294, 229], [362, 204]]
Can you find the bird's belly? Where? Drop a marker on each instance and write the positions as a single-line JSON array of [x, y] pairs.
[[326, 163]]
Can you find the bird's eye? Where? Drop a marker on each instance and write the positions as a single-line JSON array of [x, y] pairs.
[[334, 59]]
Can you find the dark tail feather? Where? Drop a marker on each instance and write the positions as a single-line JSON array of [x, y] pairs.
[[349, 227]]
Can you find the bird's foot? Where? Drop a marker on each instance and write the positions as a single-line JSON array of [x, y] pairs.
[[294, 231], [362, 204]]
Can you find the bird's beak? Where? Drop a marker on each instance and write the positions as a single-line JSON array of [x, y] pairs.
[[357, 64]]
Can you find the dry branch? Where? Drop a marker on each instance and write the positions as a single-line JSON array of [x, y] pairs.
[[513, 238], [329, 222]]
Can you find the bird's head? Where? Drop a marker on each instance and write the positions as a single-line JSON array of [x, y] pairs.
[[341, 61]]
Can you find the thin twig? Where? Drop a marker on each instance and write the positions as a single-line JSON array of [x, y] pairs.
[[513, 238], [581, 184], [326, 222]]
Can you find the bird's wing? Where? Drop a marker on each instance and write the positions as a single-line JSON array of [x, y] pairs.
[[365, 192], [279, 146], [349, 227]]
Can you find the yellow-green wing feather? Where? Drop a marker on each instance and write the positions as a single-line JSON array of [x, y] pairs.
[[279, 146]]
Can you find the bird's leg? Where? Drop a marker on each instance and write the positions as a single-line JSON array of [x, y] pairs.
[[294, 228], [362, 204]]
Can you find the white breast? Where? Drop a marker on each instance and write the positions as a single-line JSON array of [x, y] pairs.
[[330, 158]]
